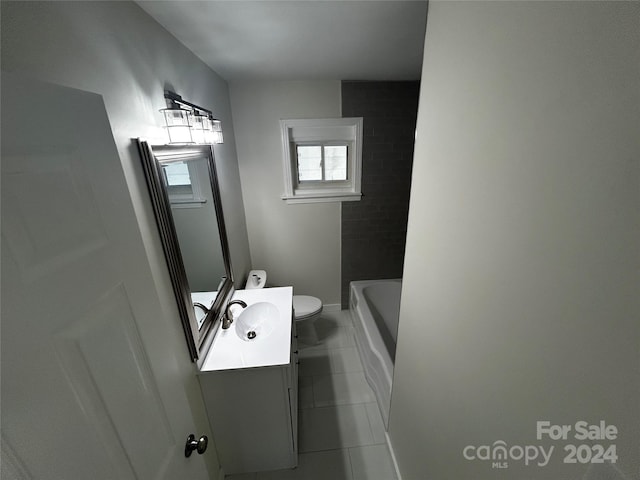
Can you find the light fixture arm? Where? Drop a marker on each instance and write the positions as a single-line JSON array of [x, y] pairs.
[[174, 97]]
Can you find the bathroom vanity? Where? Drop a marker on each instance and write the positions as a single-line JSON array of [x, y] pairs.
[[250, 387]]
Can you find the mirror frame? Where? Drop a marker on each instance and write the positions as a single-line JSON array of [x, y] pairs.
[[151, 161]]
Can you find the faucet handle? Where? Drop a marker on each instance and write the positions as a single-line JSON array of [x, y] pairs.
[[226, 321]]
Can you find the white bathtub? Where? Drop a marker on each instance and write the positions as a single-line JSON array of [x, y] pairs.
[[375, 308]]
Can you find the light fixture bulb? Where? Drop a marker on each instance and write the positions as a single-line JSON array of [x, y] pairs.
[[216, 131], [178, 124], [201, 127]]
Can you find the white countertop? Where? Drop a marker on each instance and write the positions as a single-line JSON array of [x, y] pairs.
[[228, 351]]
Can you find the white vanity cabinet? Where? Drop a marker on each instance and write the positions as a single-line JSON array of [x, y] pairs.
[[253, 410]]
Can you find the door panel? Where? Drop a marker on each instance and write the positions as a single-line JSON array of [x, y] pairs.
[[101, 352], [43, 238], [84, 392]]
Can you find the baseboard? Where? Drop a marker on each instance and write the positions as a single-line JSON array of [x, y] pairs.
[[332, 307], [393, 456]]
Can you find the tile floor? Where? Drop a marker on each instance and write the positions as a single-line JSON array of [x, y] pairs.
[[341, 434]]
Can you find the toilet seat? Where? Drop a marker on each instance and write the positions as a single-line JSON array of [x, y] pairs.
[[305, 306]]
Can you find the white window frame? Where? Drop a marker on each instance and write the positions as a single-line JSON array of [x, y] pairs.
[[322, 145], [322, 131], [185, 196]]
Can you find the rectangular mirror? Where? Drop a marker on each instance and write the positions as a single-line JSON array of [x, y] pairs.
[[184, 191]]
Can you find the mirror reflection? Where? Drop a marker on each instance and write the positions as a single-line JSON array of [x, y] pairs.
[[183, 185], [194, 217]]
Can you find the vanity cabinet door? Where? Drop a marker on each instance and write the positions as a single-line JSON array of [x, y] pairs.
[[250, 415]]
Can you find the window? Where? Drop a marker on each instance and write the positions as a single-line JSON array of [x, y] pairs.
[[183, 193], [177, 174], [322, 159], [321, 163]]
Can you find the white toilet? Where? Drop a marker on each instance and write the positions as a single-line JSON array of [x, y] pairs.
[[305, 307]]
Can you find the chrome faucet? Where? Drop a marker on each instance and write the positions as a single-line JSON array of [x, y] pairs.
[[227, 318]]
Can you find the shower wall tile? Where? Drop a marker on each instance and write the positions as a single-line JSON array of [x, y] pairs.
[[374, 229]]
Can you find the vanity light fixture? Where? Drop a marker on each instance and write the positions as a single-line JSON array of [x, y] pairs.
[[189, 123]]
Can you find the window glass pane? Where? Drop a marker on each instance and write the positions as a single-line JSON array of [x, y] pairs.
[[309, 162], [335, 162], [177, 174]]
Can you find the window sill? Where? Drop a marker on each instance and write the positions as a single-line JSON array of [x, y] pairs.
[[322, 198], [188, 203]]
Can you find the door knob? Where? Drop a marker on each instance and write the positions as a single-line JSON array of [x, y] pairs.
[[192, 444]]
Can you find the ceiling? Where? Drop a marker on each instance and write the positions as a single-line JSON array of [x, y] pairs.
[[300, 39]]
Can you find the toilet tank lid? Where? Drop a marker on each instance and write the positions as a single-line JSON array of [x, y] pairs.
[[305, 305]]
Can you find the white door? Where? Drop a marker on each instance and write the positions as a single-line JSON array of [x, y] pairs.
[[93, 385]]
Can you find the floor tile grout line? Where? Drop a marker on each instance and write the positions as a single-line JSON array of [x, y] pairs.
[[350, 463], [339, 405], [369, 419], [326, 450], [344, 347], [346, 447], [353, 475], [360, 368], [322, 349]]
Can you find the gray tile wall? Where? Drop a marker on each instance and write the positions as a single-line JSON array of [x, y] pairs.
[[374, 229]]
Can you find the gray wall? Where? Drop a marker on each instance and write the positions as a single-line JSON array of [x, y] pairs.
[[117, 50], [375, 228], [299, 244], [520, 300]]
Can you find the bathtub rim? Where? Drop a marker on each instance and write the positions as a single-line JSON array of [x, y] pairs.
[[377, 362]]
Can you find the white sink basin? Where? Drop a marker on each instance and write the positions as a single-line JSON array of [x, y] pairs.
[[257, 321]]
